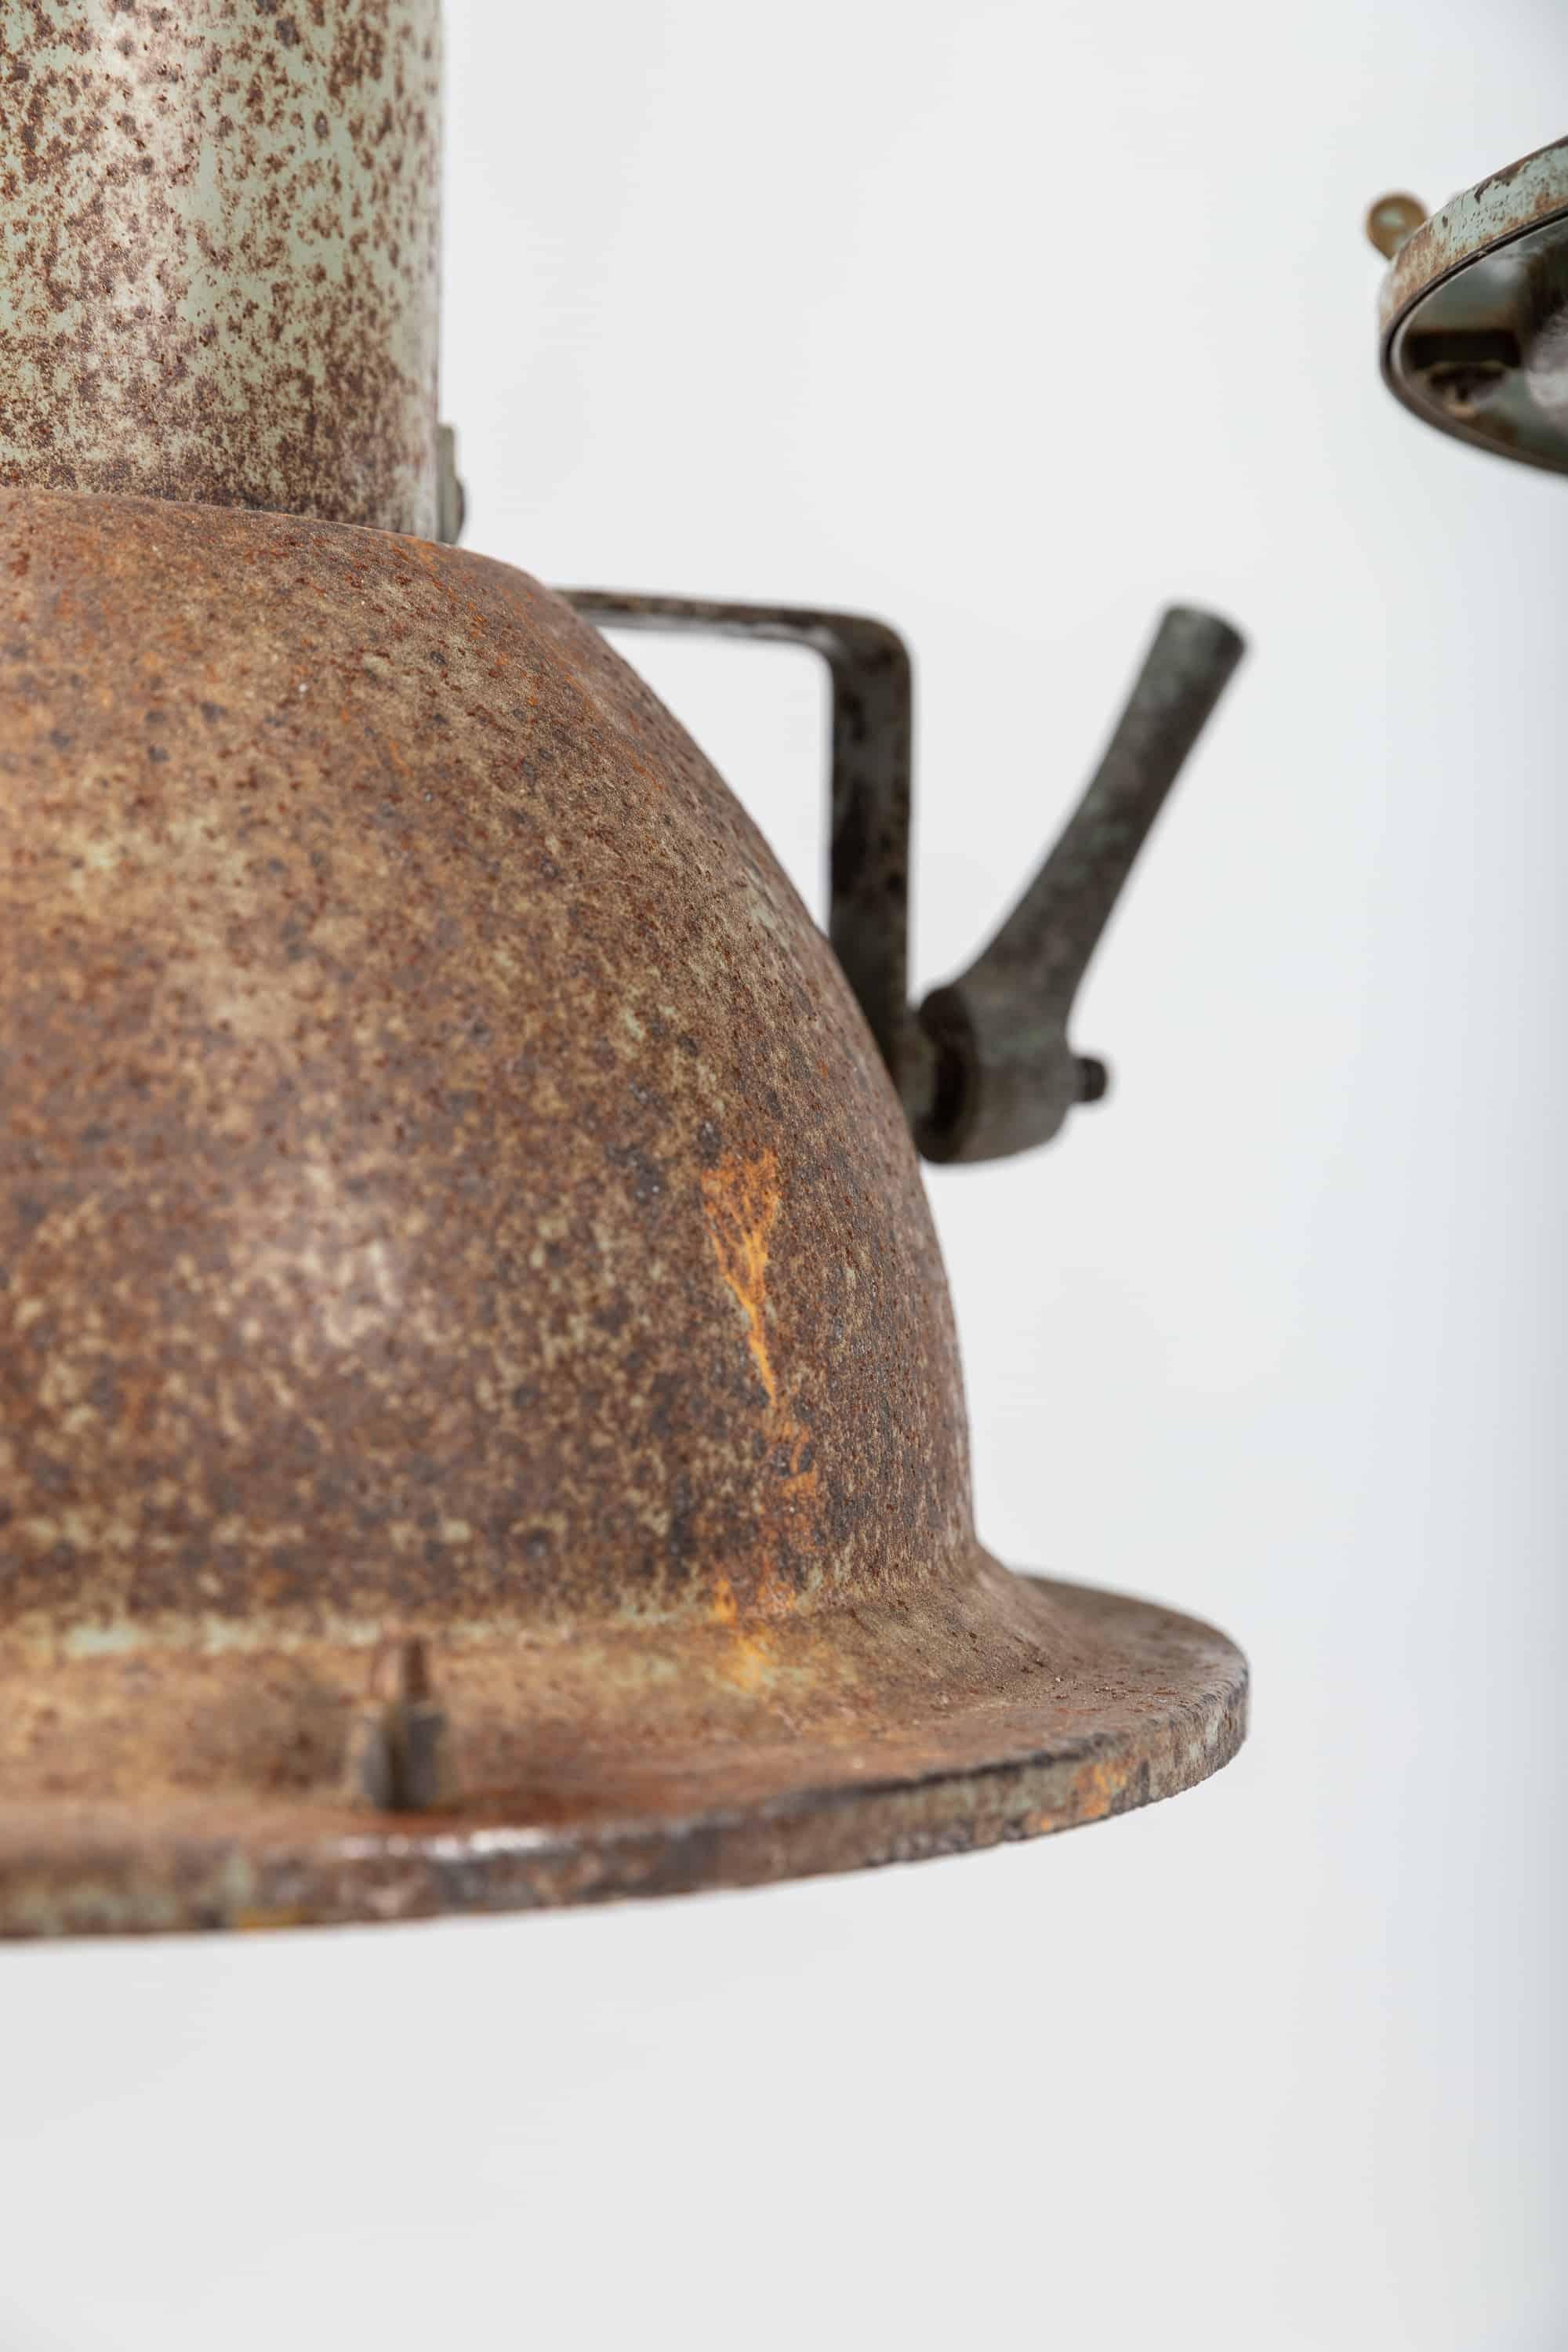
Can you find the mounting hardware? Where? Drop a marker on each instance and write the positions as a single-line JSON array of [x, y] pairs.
[[984, 1068], [1392, 220], [451, 499]]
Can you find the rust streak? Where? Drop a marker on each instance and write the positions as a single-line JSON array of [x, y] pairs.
[[740, 1201]]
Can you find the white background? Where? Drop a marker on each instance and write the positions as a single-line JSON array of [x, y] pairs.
[[1010, 322]]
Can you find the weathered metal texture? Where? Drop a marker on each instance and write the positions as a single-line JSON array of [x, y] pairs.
[[597, 1763], [218, 252], [872, 751], [986, 1067], [1474, 314], [447, 1192], [447, 1171]]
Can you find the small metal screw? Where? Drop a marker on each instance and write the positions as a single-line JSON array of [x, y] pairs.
[[1392, 221], [396, 1758]]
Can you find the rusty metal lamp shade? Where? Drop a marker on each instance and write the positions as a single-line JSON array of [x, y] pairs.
[[1474, 308], [480, 1425]]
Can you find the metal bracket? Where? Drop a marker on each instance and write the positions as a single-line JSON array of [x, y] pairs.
[[984, 1068], [872, 750]]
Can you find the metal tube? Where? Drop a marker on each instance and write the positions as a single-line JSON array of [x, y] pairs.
[[219, 225]]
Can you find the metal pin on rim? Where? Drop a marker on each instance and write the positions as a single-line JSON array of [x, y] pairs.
[[397, 1758]]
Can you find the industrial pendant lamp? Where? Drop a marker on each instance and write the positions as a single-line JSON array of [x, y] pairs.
[[1474, 310], [480, 1425]]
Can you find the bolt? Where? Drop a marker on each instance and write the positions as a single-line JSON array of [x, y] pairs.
[[1393, 220], [1093, 1078], [396, 1758]]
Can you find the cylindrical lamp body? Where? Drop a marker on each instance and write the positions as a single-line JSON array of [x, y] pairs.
[[219, 229]]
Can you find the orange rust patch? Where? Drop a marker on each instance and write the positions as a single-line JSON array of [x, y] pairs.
[[748, 1658], [741, 1204], [740, 1201], [749, 1663], [726, 1609], [1097, 1790]]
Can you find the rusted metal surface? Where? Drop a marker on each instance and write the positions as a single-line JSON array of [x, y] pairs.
[[218, 252], [448, 1195], [447, 1171], [986, 1067], [872, 751], [1474, 314], [588, 1768]]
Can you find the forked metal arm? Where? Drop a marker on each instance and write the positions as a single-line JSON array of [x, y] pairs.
[[984, 1068], [1007, 1076]]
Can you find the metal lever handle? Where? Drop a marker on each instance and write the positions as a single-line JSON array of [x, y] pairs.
[[985, 1069], [1001, 1075]]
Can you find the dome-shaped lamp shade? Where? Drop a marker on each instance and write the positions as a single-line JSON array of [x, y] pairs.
[[480, 1425]]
